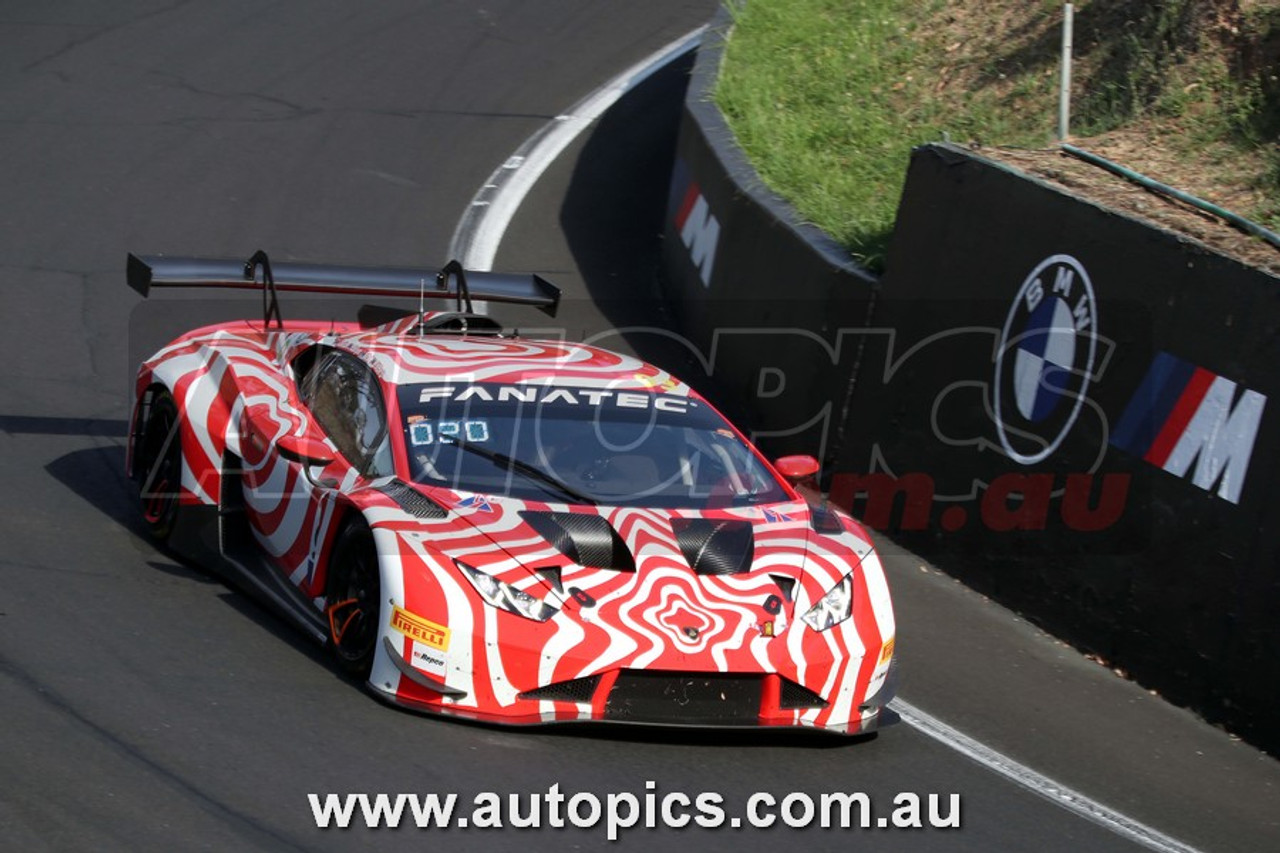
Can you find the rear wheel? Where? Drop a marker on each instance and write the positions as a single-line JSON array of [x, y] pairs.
[[353, 599], [158, 464]]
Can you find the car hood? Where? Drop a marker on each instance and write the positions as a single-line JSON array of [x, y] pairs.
[[688, 577]]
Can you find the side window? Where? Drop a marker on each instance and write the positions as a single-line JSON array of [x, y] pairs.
[[346, 399]]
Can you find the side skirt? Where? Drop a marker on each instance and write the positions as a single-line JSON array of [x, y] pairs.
[[219, 538]]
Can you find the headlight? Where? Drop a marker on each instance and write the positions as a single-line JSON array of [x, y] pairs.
[[503, 595], [833, 608]]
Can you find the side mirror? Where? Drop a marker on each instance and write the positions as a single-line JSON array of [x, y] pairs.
[[304, 451], [797, 469]]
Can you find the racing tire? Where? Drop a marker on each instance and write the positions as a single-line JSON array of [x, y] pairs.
[[158, 465], [353, 599]]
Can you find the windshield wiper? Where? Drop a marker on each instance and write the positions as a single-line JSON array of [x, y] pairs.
[[522, 467]]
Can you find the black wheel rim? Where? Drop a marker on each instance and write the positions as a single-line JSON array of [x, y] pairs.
[[353, 604]]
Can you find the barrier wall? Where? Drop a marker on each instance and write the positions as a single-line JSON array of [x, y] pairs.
[[1063, 407], [739, 265], [1083, 403]]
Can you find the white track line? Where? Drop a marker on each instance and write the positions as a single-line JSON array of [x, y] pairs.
[[480, 231], [1071, 800], [475, 243]]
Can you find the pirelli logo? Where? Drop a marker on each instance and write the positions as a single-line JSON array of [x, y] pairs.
[[886, 651], [423, 630]]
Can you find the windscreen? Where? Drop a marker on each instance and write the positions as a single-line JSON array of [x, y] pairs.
[[580, 445]]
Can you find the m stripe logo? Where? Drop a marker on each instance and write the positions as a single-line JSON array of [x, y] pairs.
[[1183, 414], [698, 227]]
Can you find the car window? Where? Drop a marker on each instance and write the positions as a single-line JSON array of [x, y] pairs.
[[552, 442], [346, 399]]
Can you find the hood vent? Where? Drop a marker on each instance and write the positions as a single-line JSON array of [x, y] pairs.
[[411, 500], [786, 585], [551, 574], [588, 540], [824, 520], [714, 547]]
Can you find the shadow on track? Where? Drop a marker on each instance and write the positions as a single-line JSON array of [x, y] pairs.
[[97, 475], [39, 425]]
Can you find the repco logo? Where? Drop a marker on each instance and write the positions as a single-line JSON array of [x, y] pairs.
[[1044, 359]]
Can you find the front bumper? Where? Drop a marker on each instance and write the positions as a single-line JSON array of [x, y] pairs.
[[663, 698]]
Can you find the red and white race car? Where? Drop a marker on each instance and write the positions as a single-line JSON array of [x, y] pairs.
[[509, 530]]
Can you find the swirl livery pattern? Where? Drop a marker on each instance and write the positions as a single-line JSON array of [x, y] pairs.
[[509, 606]]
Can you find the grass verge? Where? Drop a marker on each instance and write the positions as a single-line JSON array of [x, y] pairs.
[[827, 97]]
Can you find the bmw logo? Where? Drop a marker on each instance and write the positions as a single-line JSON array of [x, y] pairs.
[[1045, 359]]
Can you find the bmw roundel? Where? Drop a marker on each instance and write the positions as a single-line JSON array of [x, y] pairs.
[[1045, 359]]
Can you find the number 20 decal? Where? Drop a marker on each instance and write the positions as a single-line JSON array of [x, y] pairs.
[[421, 434]]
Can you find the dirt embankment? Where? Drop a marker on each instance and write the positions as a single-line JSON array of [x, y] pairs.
[[1186, 92]]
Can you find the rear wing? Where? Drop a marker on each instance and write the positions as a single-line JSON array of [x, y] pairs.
[[258, 273]]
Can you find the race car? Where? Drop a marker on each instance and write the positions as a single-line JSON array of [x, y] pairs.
[[508, 530]]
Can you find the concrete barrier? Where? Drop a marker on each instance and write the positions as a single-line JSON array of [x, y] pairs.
[[742, 272], [1086, 399], [1064, 407]]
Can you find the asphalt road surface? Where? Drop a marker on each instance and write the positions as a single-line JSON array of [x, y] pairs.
[[144, 705]]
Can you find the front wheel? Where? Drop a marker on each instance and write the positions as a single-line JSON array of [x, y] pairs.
[[353, 599]]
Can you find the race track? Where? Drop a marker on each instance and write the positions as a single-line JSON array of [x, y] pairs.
[[147, 706]]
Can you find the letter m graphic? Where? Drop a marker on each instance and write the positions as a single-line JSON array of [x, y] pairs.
[[1190, 421], [1219, 439], [699, 231]]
